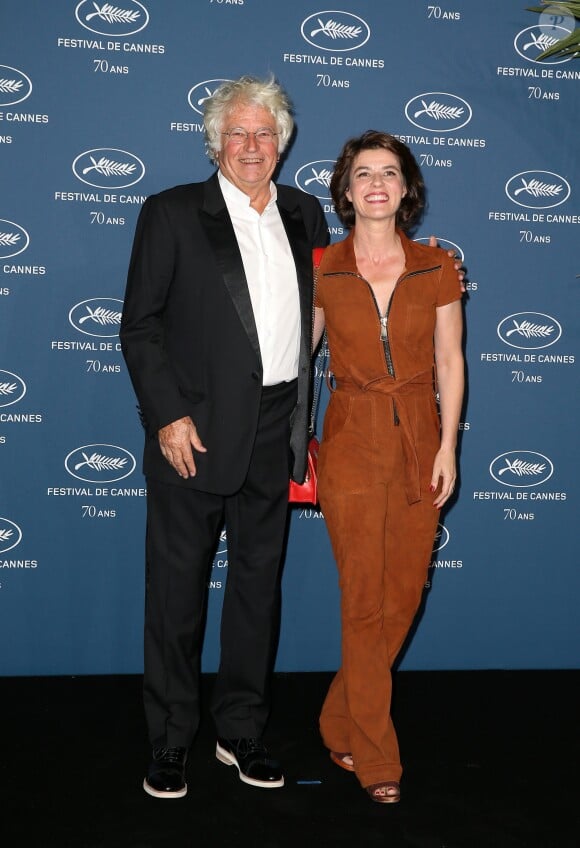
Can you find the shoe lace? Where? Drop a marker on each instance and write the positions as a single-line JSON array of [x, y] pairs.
[[169, 755], [253, 746]]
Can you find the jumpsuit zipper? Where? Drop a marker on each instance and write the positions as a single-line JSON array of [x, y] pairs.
[[384, 319]]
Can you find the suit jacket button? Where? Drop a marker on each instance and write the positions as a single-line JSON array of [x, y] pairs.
[[255, 375]]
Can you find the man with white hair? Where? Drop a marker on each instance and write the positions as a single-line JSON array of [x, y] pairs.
[[217, 334]]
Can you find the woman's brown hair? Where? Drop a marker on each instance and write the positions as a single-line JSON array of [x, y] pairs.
[[414, 201]]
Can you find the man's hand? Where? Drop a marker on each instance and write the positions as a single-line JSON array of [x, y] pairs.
[[176, 441], [460, 272]]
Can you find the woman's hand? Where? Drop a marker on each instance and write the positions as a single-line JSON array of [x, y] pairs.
[[444, 472]]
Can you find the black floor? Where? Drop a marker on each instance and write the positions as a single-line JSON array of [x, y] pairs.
[[492, 760]]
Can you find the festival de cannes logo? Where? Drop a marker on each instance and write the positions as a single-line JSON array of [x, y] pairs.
[[222, 547], [108, 167], [441, 538], [106, 19], [446, 245], [521, 469], [314, 178], [100, 463], [202, 91], [529, 330], [12, 388], [438, 111], [538, 189], [13, 239], [15, 86], [335, 31], [99, 316], [532, 41], [10, 535]]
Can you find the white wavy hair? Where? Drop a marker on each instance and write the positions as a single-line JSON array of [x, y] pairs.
[[246, 90]]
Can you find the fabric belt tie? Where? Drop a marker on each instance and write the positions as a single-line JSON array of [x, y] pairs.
[[399, 390]]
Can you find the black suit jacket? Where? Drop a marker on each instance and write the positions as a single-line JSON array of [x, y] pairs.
[[188, 332]]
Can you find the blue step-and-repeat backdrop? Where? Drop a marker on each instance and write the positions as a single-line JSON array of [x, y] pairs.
[[100, 105]]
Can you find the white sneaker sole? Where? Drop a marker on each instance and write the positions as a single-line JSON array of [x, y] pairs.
[[229, 760], [155, 793]]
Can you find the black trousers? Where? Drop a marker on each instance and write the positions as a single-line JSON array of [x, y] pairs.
[[182, 530]]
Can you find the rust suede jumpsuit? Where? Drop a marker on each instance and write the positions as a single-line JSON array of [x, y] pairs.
[[380, 437]]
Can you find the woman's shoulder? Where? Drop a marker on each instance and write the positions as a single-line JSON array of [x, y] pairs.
[[338, 256], [423, 255], [423, 249]]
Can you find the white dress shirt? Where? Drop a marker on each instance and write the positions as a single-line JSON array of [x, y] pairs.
[[271, 275]]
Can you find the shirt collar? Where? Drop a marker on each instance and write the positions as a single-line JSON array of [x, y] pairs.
[[233, 194]]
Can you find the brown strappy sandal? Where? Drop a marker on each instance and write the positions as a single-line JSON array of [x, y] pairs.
[[387, 792], [343, 760]]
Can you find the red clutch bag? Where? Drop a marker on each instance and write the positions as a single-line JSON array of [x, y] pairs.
[[307, 492]]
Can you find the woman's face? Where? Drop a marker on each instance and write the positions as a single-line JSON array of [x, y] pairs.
[[376, 185]]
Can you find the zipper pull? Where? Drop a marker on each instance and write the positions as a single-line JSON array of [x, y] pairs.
[[384, 329]]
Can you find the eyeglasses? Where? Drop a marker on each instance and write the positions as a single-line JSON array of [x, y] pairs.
[[238, 135]]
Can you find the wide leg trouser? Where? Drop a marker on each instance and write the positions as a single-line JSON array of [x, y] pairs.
[[382, 547], [182, 528]]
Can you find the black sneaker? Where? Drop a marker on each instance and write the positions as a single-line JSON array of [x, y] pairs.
[[166, 773], [252, 761]]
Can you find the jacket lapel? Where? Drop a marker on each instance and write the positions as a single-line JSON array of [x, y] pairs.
[[299, 244], [217, 224]]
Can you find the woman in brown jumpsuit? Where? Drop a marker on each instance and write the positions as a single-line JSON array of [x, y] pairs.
[[392, 311]]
